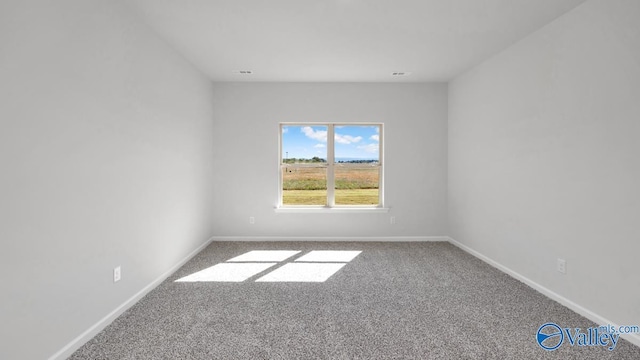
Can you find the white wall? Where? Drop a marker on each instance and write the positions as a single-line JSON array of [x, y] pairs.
[[105, 153], [543, 158], [246, 156]]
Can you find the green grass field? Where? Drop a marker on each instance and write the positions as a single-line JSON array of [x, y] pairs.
[[319, 197], [308, 186]]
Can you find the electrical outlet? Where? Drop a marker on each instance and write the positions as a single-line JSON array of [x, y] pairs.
[[562, 266], [117, 274], [392, 220], [252, 220]]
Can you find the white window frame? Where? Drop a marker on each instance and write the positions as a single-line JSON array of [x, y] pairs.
[[330, 165]]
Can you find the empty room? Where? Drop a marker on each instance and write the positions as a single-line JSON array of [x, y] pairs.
[[320, 179]]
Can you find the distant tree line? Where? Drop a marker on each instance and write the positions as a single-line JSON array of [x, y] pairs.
[[357, 161], [316, 159]]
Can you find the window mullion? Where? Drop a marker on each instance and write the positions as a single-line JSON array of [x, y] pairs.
[[380, 166], [330, 167], [281, 166]]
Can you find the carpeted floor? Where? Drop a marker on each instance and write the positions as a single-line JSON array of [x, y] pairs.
[[392, 301]]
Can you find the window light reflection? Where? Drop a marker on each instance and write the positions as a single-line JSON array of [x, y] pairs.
[[329, 256], [265, 255], [302, 272], [226, 272], [315, 266]]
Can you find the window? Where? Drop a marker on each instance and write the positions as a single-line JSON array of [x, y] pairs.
[[331, 165]]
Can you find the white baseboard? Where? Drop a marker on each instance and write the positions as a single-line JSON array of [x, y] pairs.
[[334, 238], [76, 343], [600, 320]]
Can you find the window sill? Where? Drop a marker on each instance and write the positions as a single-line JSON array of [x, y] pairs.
[[328, 210]]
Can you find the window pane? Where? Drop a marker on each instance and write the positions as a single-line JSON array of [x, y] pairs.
[[357, 184], [357, 143], [304, 185], [304, 144]]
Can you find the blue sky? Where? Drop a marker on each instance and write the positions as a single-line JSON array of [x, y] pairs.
[[358, 142]]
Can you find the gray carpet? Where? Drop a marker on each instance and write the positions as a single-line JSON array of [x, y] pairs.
[[393, 301]]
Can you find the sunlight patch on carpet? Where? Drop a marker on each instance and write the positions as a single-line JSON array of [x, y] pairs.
[[314, 266], [265, 255], [329, 256], [227, 272], [302, 272]]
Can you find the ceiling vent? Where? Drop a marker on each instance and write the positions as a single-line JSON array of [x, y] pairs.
[[400, 73], [242, 72]]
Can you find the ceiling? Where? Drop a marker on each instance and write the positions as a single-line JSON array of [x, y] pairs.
[[344, 40]]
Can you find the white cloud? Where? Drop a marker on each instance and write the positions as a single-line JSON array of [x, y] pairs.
[[320, 146], [378, 129], [370, 148], [285, 130], [375, 137], [347, 139], [320, 135]]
